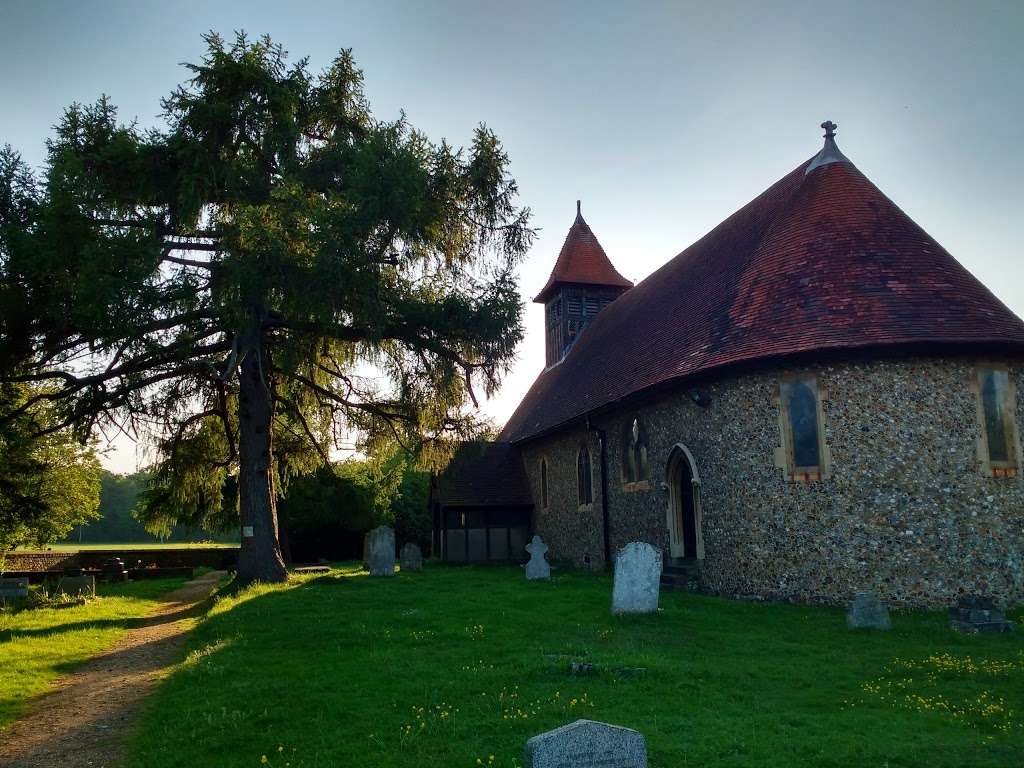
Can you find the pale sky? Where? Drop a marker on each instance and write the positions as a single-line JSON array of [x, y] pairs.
[[663, 118]]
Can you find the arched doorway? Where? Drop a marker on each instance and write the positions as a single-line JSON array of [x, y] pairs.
[[684, 514]]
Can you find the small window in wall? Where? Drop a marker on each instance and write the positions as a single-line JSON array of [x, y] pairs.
[[575, 306], [584, 483], [544, 483], [805, 453], [634, 453], [996, 404]]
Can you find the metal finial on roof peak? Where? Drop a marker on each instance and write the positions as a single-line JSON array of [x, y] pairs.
[[578, 208], [830, 152]]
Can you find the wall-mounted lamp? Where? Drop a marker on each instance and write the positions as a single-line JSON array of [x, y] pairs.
[[700, 397]]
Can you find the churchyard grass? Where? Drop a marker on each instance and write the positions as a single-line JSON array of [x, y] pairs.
[[459, 666], [40, 644]]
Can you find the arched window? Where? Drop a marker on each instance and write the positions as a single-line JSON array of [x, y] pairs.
[[998, 446], [634, 452], [801, 425], [584, 485], [544, 483]]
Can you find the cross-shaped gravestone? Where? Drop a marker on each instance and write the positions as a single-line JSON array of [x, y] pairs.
[[538, 567]]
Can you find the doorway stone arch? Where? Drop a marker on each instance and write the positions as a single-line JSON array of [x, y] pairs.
[[683, 517]]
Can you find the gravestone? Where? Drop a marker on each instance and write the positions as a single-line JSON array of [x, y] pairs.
[[537, 567], [411, 558], [380, 543], [866, 611], [312, 569], [13, 589], [637, 579], [114, 570], [973, 614], [77, 586], [587, 744]]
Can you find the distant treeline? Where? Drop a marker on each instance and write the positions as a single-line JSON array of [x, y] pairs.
[[118, 494], [323, 515]]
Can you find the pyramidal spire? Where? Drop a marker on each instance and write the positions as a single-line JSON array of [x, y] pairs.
[[830, 152], [582, 261]]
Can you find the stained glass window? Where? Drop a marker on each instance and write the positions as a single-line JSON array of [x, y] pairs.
[[583, 479], [800, 402], [997, 412], [634, 452], [543, 483]]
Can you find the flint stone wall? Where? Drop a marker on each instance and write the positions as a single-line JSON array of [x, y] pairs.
[[571, 531], [906, 510]]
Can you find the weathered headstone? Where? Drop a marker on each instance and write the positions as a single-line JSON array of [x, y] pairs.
[[866, 611], [410, 558], [637, 579], [537, 567], [973, 613], [114, 570], [312, 569], [77, 586], [380, 544], [587, 744], [13, 589]]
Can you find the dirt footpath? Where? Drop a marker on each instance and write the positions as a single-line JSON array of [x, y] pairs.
[[86, 718]]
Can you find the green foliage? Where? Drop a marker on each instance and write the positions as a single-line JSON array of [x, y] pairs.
[[410, 509], [119, 497], [327, 512], [365, 273], [455, 664], [48, 482]]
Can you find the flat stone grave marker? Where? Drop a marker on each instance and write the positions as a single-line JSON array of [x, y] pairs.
[[410, 558], [77, 586], [866, 611], [13, 589], [587, 744], [312, 569], [973, 613], [537, 567], [381, 555], [637, 579]]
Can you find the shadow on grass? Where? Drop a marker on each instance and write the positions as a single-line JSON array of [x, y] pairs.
[[756, 682], [187, 610]]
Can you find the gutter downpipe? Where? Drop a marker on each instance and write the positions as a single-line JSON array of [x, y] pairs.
[[602, 437]]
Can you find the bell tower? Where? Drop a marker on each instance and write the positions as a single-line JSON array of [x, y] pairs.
[[581, 284]]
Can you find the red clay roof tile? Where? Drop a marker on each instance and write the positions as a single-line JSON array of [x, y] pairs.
[[582, 261], [819, 262], [484, 475]]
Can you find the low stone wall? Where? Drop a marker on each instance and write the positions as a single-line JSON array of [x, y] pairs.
[[38, 562], [220, 558]]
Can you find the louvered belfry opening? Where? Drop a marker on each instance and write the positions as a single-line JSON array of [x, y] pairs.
[[582, 283]]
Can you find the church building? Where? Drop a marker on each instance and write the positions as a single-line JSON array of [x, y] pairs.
[[813, 399]]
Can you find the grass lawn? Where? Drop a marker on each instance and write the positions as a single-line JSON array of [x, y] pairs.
[[453, 665], [134, 545], [36, 646]]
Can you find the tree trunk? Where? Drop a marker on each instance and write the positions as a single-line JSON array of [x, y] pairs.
[[260, 557]]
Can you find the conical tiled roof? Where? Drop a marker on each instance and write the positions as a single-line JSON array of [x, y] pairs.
[[582, 261], [821, 262]]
